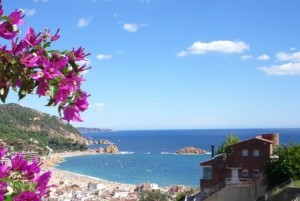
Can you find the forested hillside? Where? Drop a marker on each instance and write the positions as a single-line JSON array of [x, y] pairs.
[[28, 129]]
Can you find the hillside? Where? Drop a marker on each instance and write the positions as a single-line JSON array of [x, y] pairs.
[[93, 130], [28, 129]]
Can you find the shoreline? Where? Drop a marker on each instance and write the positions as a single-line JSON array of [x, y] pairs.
[[67, 178]]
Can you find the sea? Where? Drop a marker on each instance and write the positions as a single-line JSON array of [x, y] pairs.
[[150, 155]]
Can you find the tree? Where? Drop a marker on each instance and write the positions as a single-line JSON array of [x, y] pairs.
[[152, 196], [230, 139], [28, 66], [284, 165]]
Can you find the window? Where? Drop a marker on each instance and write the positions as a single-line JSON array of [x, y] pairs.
[[256, 173], [256, 153], [245, 172], [245, 152], [207, 172]]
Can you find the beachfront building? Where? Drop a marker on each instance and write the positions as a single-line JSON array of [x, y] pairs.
[[146, 187], [239, 172]]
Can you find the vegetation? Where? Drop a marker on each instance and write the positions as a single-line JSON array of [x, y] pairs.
[[284, 165], [230, 139], [152, 196], [28, 129], [181, 196]]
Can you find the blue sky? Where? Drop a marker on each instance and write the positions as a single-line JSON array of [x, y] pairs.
[[179, 64]]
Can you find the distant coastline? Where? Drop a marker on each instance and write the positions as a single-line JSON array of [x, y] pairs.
[[93, 130]]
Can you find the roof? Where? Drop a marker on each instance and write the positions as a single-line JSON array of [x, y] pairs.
[[209, 162], [259, 138], [255, 138]]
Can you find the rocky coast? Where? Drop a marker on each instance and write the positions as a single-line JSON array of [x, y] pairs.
[[191, 150]]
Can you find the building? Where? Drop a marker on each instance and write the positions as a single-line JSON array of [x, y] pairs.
[[242, 165]]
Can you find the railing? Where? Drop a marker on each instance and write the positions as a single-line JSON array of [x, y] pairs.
[[219, 186], [238, 181], [229, 182], [243, 181]]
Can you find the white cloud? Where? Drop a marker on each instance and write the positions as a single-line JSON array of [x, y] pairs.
[[30, 12], [99, 106], [284, 69], [104, 56], [82, 22], [246, 56], [227, 47], [263, 57], [131, 27], [284, 56]]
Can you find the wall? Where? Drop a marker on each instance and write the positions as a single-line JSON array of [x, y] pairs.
[[238, 193]]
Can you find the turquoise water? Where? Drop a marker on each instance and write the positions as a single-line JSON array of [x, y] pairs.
[[149, 156], [138, 168]]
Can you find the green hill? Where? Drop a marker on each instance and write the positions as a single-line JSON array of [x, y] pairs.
[[28, 129]]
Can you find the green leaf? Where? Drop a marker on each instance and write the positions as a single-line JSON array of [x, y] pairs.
[[5, 18], [53, 90], [8, 198], [47, 44], [51, 102], [74, 65], [3, 94], [6, 179], [22, 94], [19, 185]]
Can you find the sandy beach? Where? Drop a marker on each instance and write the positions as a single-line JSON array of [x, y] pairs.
[[72, 186], [66, 178]]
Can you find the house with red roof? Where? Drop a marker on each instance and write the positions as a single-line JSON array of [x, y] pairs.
[[240, 168]]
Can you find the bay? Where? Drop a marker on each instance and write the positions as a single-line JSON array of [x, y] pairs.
[[149, 155]]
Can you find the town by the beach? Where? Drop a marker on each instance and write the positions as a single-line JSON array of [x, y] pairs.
[[72, 186]]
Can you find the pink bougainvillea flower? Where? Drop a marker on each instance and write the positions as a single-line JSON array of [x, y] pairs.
[[33, 168], [16, 17], [29, 60], [42, 181], [31, 38], [4, 169], [9, 29], [18, 47], [26, 173], [51, 73], [72, 113], [79, 54], [59, 62], [56, 36], [43, 88], [63, 93], [3, 190], [18, 162], [81, 102], [27, 196]]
